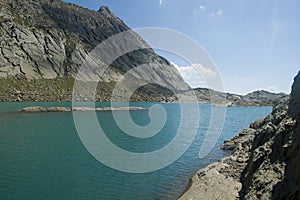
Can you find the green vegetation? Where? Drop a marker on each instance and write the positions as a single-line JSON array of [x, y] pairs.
[[16, 16], [70, 44], [19, 89], [61, 89]]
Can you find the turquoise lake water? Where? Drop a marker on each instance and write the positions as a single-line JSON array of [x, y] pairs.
[[42, 156]]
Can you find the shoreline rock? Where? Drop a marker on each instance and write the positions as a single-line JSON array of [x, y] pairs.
[[212, 183], [38, 109], [265, 162], [244, 136], [222, 180]]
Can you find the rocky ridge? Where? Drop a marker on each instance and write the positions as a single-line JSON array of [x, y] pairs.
[[256, 98], [265, 163]]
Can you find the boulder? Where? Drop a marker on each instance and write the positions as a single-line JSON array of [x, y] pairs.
[[59, 109], [34, 109], [244, 136]]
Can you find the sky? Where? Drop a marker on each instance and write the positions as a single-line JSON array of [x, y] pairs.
[[255, 44]]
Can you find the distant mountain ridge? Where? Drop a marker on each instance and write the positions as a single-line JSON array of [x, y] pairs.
[[256, 98]]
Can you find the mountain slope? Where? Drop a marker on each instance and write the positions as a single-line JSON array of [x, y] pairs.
[[50, 38]]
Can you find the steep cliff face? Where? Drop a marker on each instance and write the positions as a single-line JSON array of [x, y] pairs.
[[265, 163], [50, 38], [273, 170], [293, 164], [250, 172]]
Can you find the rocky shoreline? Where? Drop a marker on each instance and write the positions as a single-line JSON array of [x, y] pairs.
[[265, 162], [221, 180]]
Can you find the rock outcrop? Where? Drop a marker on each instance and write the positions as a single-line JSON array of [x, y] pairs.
[[265, 163], [221, 180], [244, 136], [38, 109], [273, 169], [213, 183]]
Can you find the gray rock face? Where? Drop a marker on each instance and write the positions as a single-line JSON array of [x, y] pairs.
[[266, 166], [273, 170], [265, 159], [221, 180], [31, 50], [294, 107], [213, 183], [48, 39], [244, 136]]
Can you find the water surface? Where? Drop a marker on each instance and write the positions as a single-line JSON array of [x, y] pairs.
[[42, 156]]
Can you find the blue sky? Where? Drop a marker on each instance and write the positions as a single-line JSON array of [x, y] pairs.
[[255, 43]]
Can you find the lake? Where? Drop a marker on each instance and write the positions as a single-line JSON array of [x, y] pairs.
[[42, 156]]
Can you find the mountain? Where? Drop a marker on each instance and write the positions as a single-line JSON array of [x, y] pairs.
[[256, 98], [48, 39], [265, 162], [43, 43]]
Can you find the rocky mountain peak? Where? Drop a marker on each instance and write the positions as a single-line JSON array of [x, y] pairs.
[[105, 10]]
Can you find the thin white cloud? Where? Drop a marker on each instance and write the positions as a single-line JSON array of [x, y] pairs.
[[202, 8], [218, 13], [274, 34], [275, 25], [199, 10], [196, 75], [271, 88], [161, 2]]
